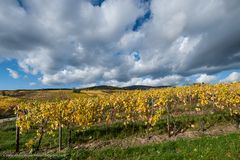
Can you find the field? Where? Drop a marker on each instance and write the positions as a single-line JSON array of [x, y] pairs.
[[191, 122]]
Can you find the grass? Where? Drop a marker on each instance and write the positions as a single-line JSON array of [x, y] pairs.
[[7, 137], [118, 130], [215, 148], [105, 132], [221, 147]]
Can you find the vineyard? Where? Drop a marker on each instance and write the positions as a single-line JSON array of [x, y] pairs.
[[163, 109]]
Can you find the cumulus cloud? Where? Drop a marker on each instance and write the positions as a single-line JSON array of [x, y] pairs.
[[204, 78], [165, 81], [70, 75], [149, 81], [14, 74], [233, 77], [76, 41]]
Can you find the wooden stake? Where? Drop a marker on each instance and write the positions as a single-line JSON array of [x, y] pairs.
[[69, 137], [60, 137], [168, 121], [17, 136]]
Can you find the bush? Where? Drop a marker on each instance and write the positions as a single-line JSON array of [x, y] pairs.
[[76, 90], [3, 93]]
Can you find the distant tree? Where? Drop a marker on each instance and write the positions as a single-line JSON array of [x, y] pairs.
[[3, 93], [76, 90]]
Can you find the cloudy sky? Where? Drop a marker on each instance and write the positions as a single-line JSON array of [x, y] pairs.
[[78, 43]]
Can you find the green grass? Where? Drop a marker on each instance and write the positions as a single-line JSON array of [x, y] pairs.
[[213, 148], [118, 130], [7, 137], [221, 147], [104, 132]]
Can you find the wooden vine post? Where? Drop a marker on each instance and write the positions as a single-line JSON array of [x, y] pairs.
[[168, 121], [17, 135], [60, 133], [69, 136]]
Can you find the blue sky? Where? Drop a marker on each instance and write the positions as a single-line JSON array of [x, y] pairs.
[[118, 42], [24, 81]]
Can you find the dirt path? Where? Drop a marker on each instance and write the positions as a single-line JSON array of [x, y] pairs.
[[7, 119]]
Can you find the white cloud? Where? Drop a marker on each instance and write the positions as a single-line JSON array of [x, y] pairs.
[[74, 41], [233, 77], [12, 73], [165, 81], [71, 74], [204, 78], [130, 41]]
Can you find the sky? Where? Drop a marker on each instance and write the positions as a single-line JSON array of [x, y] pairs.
[[81, 43]]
